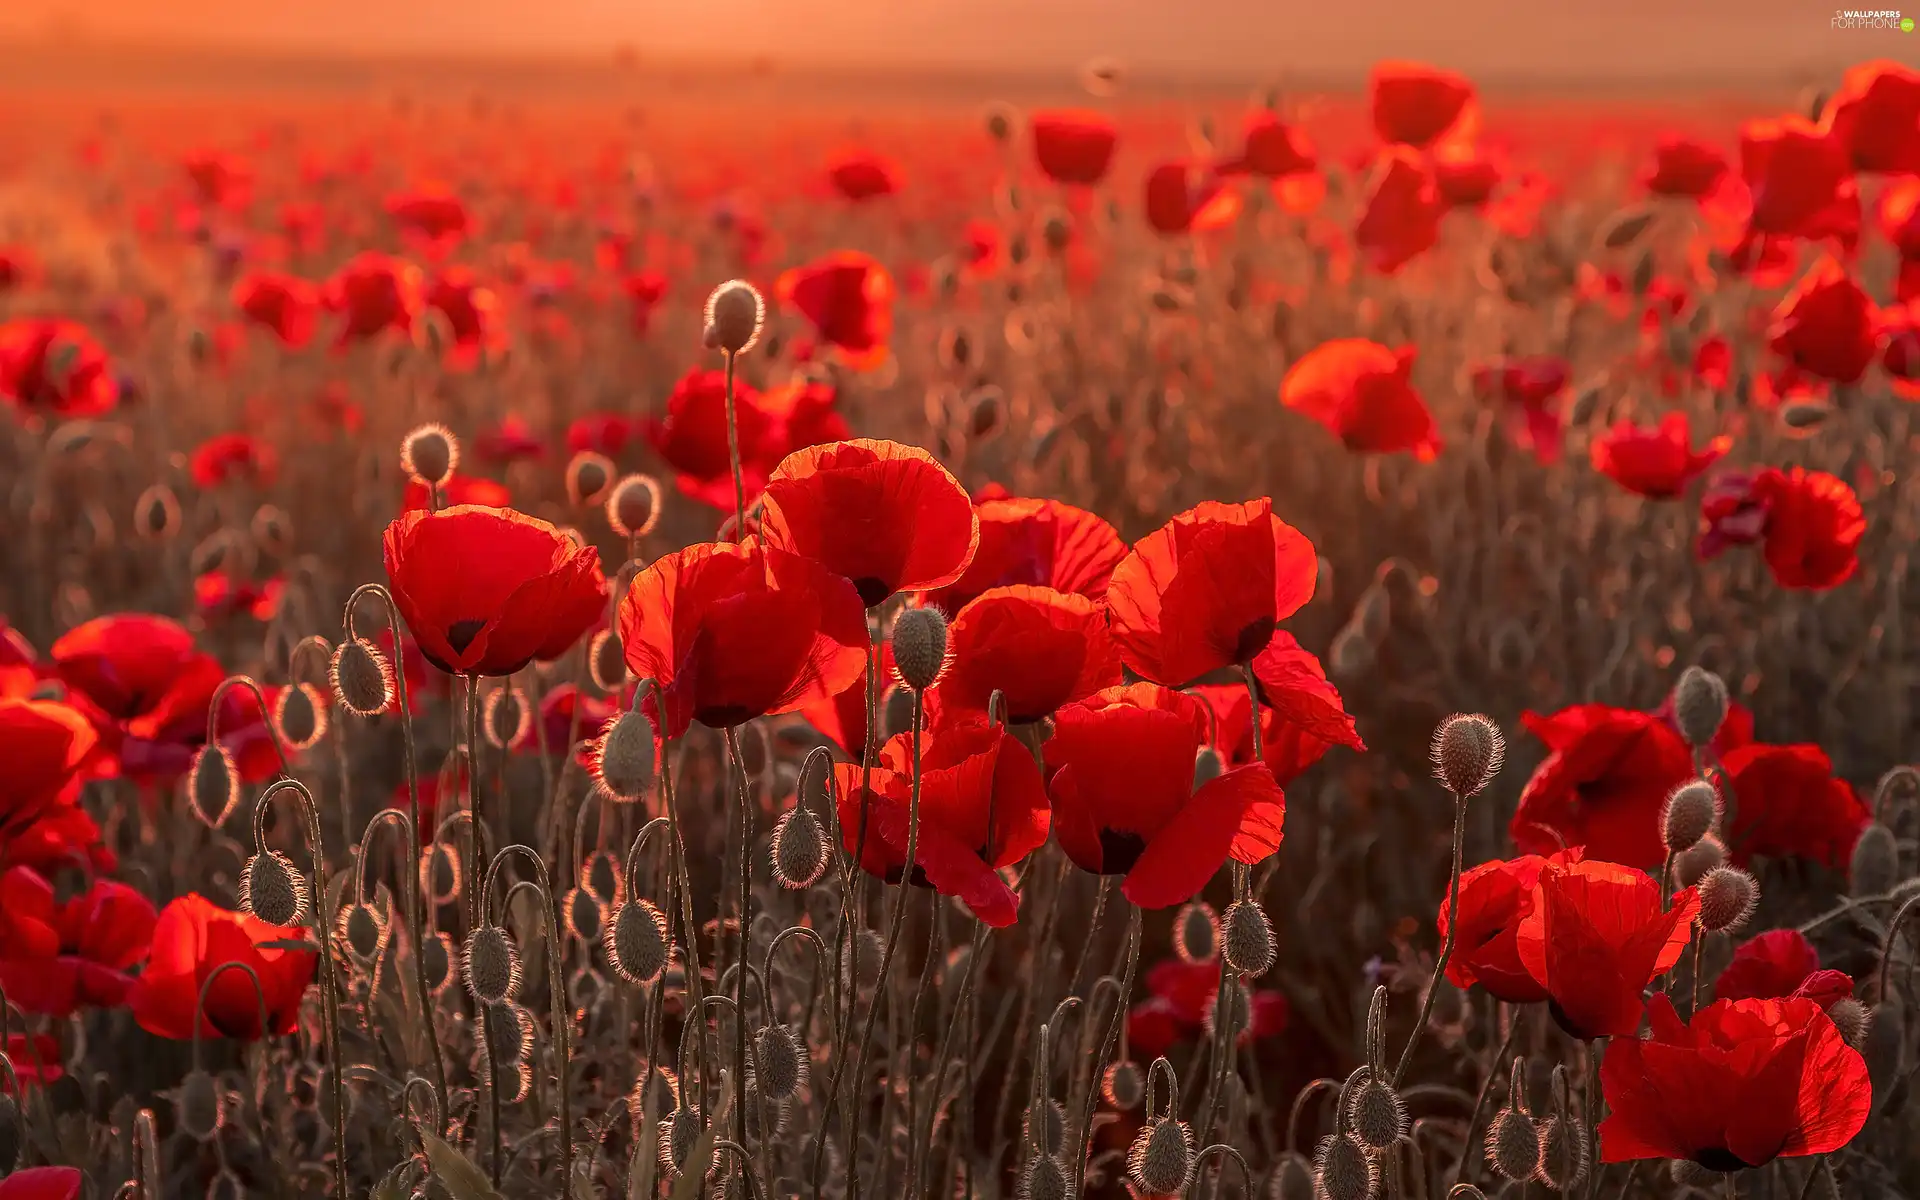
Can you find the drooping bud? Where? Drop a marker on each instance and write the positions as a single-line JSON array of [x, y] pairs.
[[1691, 812], [429, 454], [735, 313], [1691, 866], [1343, 1170], [677, 1136], [920, 646], [1875, 867], [1124, 1085], [1161, 1158], [1207, 766], [783, 1061], [1513, 1145], [1467, 752], [1699, 705], [156, 514], [1294, 1179], [506, 716], [363, 931], [1045, 1178], [581, 913], [1246, 938], [633, 506], [1051, 1118], [362, 678], [623, 759], [1196, 932], [1853, 1019], [299, 716], [896, 713], [1563, 1154], [272, 890], [799, 849], [214, 784], [1376, 1113], [589, 475], [200, 1105], [607, 661], [1727, 898], [636, 941], [491, 964], [437, 956]]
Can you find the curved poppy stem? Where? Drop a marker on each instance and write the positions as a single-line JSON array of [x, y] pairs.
[[1224, 1150], [1886, 948], [745, 802], [1446, 950], [754, 1190], [1301, 1099], [556, 994], [266, 715], [819, 968], [146, 1157], [632, 869], [1115, 1022], [476, 913], [1699, 948], [1486, 1089], [924, 1140], [409, 890], [733, 456], [418, 918], [323, 918]]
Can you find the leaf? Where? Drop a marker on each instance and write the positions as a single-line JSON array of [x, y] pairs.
[[688, 1186], [455, 1172], [640, 1171], [1626, 227]]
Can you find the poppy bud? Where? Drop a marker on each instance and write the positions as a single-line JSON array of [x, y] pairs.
[[506, 716], [1246, 938], [1691, 866], [1051, 1117], [920, 646], [363, 932], [735, 313], [156, 514], [491, 964], [1563, 1154], [436, 955], [986, 413], [512, 1028], [1207, 767], [1691, 812], [361, 677], [1885, 1051], [633, 507], [1351, 656], [867, 952], [1875, 868], [1467, 752], [1161, 1159], [1853, 1019], [299, 717], [623, 760], [1238, 1014], [429, 454], [1123, 1085], [607, 661], [1510, 649], [1294, 1179], [799, 849], [1343, 1170], [1376, 1112], [200, 1106], [1699, 705], [1804, 416], [1727, 897], [1000, 121], [896, 712], [589, 474], [272, 529], [215, 784], [9, 1133], [677, 1136], [1513, 1145], [1045, 1178], [580, 909], [1056, 231], [1196, 932], [272, 890], [1687, 1173], [636, 942]]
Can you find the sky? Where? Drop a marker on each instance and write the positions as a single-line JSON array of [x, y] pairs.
[[1587, 39]]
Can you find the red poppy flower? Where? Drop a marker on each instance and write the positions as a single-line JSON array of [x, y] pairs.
[[1875, 116], [219, 594], [1657, 462], [848, 297], [1073, 145], [374, 292], [1208, 589], [602, 433], [1363, 393], [972, 773], [1188, 197], [1810, 524], [1495, 897], [1121, 776], [511, 441], [1400, 214], [980, 247], [732, 632], [842, 717], [800, 414], [192, 938], [1748, 1081], [285, 305], [644, 291], [1825, 325], [486, 591], [1685, 167], [45, 746], [461, 490], [1528, 390], [565, 712], [219, 179], [55, 367], [36, 1060], [42, 1183], [1271, 148], [1900, 348], [1465, 177], [1301, 714], [1416, 105], [431, 214], [472, 312], [1779, 964], [1182, 998], [18, 267], [1796, 173], [1039, 542], [1602, 785], [1040, 648], [692, 438], [1785, 803], [233, 456], [65, 836], [887, 516], [1594, 939], [861, 175], [78, 954]]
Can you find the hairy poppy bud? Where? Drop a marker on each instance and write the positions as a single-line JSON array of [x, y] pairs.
[[1875, 868], [272, 890], [624, 759], [1045, 1178], [1124, 1085], [1467, 752], [633, 506], [677, 1136], [156, 514], [799, 849], [1691, 866], [1161, 1158], [1045, 1125], [1852, 1019], [735, 313], [429, 454], [1196, 932], [1563, 1154], [920, 646], [299, 717], [200, 1105], [580, 911], [1343, 1170], [363, 931], [506, 716], [1294, 1179], [1513, 1145], [1207, 766], [607, 661], [589, 475], [215, 784], [782, 1061], [1691, 812], [1246, 938], [1699, 705], [896, 712], [437, 956], [1377, 1113], [361, 677], [491, 965], [1727, 897], [636, 941]]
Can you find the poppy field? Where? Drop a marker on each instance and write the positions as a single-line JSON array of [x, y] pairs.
[[1299, 647]]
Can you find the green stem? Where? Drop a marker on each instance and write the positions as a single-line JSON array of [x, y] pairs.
[[1446, 951]]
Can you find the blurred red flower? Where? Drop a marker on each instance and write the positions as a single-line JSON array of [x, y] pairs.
[[285, 305], [1182, 1000], [1188, 197], [1363, 393], [1073, 146], [219, 179], [644, 291], [1495, 897], [373, 292], [1657, 462], [1208, 590], [1595, 937], [18, 267], [1684, 167], [432, 215], [1528, 390], [1787, 804], [566, 713], [192, 939], [983, 808], [472, 311], [849, 299], [980, 247], [1748, 1081], [1809, 523], [486, 591], [1466, 178], [511, 441], [59, 957], [1798, 176], [732, 632], [219, 594], [1779, 964], [1271, 148], [42, 1183], [1040, 542], [1400, 213], [227, 457], [883, 514], [1825, 325], [1602, 785], [53, 367], [862, 175], [603, 433], [1038, 647], [1875, 116], [1416, 105], [44, 745], [1121, 777], [460, 490]]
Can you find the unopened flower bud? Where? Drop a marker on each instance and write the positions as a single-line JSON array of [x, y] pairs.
[[361, 678], [623, 760], [1691, 866], [429, 454], [1727, 898], [1467, 752], [1246, 938], [735, 314], [1161, 1158], [633, 506], [1691, 812], [1699, 705], [920, 646]]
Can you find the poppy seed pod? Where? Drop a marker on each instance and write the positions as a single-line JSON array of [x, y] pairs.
[[429, 454], [1343, 1170], [1294, 1179], [1377, 1113], [215, 784], [200, 1107], [1513, 1145], [1727, 898], [1246, 938], [735, 313], [1196, 932], [1690, 866], [1691, 812], [491, 964], [1161, 1158], [1467, 752], [1124, 1085], [782, 1061], [636, 942], [1699, 705], [272, 890], [799, 849], [920, 646], [633, 506], [361, 677], [624, 758], [607, 661], [1875, 867], [1045, 1178]]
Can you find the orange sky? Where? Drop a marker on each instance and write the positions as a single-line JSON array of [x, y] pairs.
[[1592, 39]]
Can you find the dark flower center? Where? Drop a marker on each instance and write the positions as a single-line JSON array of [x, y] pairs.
[[1253, 639], [1120, 849], [1714, 1158], [1565, 1022], [460, 634], [872, 591]]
